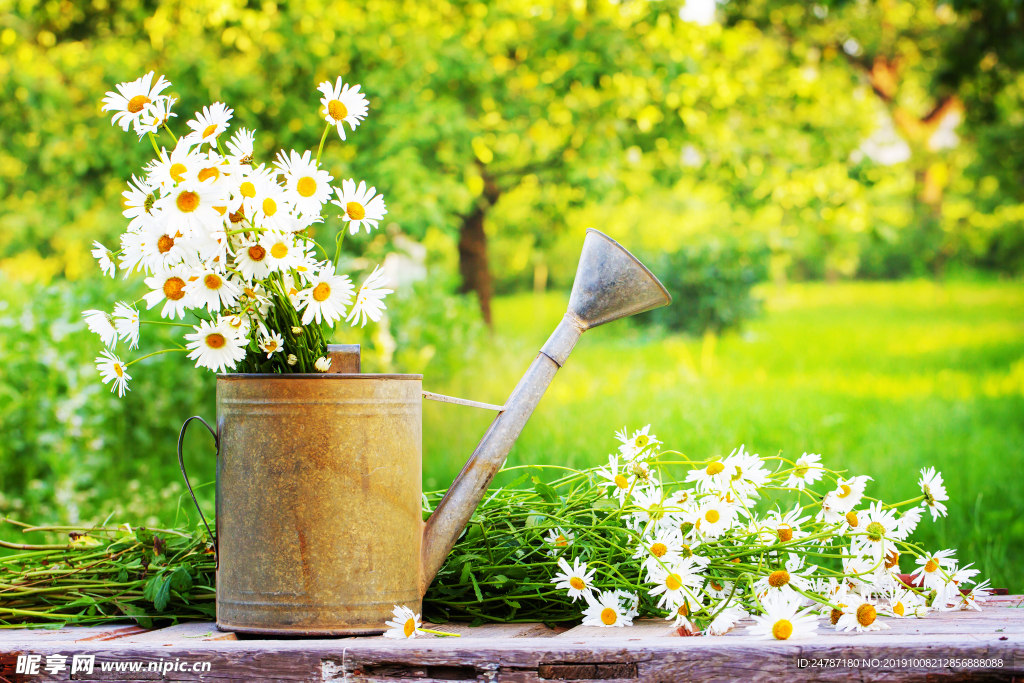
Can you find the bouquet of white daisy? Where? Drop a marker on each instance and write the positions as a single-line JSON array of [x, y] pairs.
[[785, 543], [224, 241]]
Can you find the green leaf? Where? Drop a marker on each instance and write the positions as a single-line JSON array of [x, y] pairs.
[[544, 490], [136, 613], [606, 504], [180, 579], [476, 587]]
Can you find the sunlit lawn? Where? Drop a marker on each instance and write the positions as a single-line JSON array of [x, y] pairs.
[[882, 379]]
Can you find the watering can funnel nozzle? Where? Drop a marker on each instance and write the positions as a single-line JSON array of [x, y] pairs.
[[611, 283]]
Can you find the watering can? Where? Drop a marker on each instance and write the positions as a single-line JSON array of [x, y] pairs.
[[319, 505]]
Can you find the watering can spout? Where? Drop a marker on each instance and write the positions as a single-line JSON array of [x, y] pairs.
[[610, 284]]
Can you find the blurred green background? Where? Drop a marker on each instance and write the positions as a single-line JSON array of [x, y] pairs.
[[833, 193]]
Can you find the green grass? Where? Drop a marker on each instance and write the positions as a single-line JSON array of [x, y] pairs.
[[881, 378]]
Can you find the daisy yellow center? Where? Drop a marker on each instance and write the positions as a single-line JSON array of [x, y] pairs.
[[118, 369], [673, 582], [212, 281], [247, 189], [177, 172], [215, 340], [136, 103], [782, 629], [683, 610], [164, 244], [237, 217], [337, 110], [257, 253], [785, 533], [306, 186], [714, 468], [322, 291], [846, 490], [269, 207], [174, 288], [835, 615], [899, 609], [715, 585], [279, 250], [931, 566], [187, 201], [778, 578], [561, 541], [801, 469], [577, 583], [621, 481], [687, 551], [851, 518], [608, 616], [209, 130], [642, 441], [892, 559], [866, 614], [409, 628], [875, 532], [270, 346], [355, 211], [712, 516], [207, 173], [659, 549], [221, 209]]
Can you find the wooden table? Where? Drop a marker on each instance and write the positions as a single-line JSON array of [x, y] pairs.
[[957, 646]]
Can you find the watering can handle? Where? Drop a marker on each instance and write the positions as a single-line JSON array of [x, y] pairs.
[[181, 464]]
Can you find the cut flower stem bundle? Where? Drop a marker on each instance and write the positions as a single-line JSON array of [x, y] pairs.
[[704, 544]]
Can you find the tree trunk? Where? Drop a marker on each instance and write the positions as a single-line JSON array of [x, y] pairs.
[[476, 275]]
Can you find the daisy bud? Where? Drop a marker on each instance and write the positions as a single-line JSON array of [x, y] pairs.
[[296, 330], [322, 364], [292, 359], [785, 533]]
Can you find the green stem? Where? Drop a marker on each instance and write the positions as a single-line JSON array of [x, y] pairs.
[[150, 355], [323, 138]]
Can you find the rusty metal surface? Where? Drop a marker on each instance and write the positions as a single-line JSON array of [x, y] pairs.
[[610, 284], [344, 358], [318, 501]]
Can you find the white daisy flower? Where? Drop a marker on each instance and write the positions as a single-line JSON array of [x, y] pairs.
[[641, 444], [126, 321], [559, 539], [103, 258], [102, 323], [680, 616], [162, 246], [307, 187], [240, 147], [156, 114], [843, 499], [660, 549], [215, 347], [934, 492], [905, 603], [272, 343], [272, 210], [710, 479], [190, 209], [575, 579], [786, 527], [859, 615], [930, 568], [675, 582], [326, 298], [950, 594], [746, 472], [130, 100], [406, 623], [343, 104], [113, 370], [138, 201], [168, 285], [880, 527], [726, 620], [209, 123], [608, 610], [360, 205], [252, 262], [782, 581], [616, 479], [976, 597], [907, 522], [322, 364], [715, 517], [182, 164], [806, 470], [292, 359], [370, 300], [280, 251], [212, 290], [783, 619]]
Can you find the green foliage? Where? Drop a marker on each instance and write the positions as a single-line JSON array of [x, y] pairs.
[[710, 286]]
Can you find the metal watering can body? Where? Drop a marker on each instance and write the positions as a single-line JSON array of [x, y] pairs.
[[319, 519]]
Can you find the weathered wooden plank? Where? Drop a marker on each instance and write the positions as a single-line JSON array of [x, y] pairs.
[[642, 628], [181, 634], [489, 631]]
